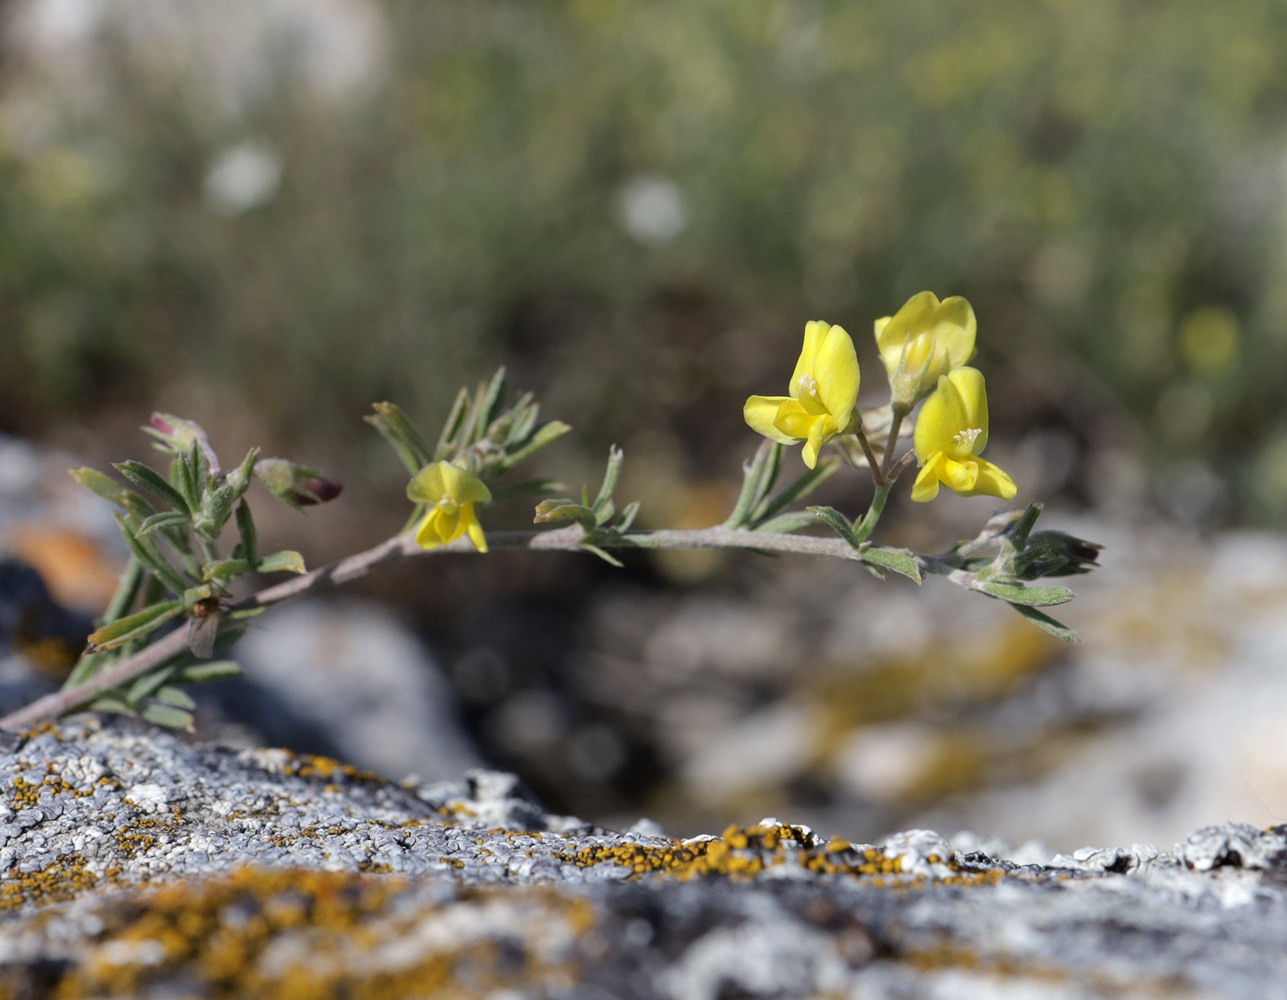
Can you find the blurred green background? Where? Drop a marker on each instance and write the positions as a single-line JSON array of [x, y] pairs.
[[283, 211], [264, 216]]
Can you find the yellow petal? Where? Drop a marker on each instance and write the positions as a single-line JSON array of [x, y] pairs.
[[475, 530], [915, 315], [427, 536], [955, 329], [940, 420], [836, 369], [427, 486], [959, 476], [926, 486], [814, 444], [815, 332], [973, 394], [460, 486], [761, 412], [794, 420], [992, 482]]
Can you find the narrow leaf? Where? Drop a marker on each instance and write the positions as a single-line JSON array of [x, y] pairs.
[[451, 426], [282, 562], [166, 715], [173, 696], [610, 475], [837, 522], [488, 404], [215, 670], [249, 537], [607, 557], [148, 684], [758, 475], [166, 519], [787, 523], [627, 518], [800, 489], [1033, 597], [99, 483], [132, 626], [901, 561], [225, 569], [550, 511], [1044, 622], [150, 480], [544, 435], [150, 556]]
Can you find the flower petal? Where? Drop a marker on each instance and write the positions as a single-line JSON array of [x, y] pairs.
[[915, 315], [836, 369], [992, 482], [427, 536], [795, 420], [941, 418], [974, 401], [427, 486], [955, 329], [461, 486], [475, 530], [760, 413], [817, 438], [926, 486], [815, 332], [959, 476]]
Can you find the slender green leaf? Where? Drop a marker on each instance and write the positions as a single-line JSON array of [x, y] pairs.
[[627, 518], [758, 476], [175, 697], [550, 511], [1018, 535], [607, 557], [800, 489], [97, 482], [544, 435], [901, 561], [150, 556], [166, 715], [249, 537], [166, 519], [282, 562], [1033, 597], [111, 703], [487, 405], [446, 446], [138, 624], [1044, 622], [149, 683], [150, 480], [837, 522], [225, 569], [215, 670], [610, 475]]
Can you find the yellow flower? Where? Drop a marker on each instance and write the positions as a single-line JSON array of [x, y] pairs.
[[924, 341], [823, 391], [451, 493], [950, 432]]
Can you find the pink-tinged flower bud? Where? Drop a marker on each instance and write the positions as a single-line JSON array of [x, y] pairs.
[[314, 490]]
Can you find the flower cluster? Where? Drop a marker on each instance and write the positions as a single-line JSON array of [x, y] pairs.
[[924, 347]]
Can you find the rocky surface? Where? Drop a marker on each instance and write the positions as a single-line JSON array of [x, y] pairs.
[[137, 864]]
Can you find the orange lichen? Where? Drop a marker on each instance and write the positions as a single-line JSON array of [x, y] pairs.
[[741, 853]]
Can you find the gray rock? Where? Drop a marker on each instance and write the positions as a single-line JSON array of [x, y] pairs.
[[182, 870]]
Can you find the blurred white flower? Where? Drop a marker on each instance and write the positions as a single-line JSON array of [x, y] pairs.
[[245, 176], [652, 210]]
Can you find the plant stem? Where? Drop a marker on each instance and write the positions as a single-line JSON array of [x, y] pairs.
[[864, 528], [894, 424], [403, 546], [877, 475]]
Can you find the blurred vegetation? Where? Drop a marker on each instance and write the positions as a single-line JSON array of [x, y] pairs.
[[637, 205]]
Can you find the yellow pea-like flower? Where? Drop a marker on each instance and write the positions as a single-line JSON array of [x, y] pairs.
[[924, 341], [950, 432], [451, 493], [821, 397]]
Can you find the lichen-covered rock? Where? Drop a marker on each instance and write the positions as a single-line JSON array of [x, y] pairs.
[[135, 864]]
